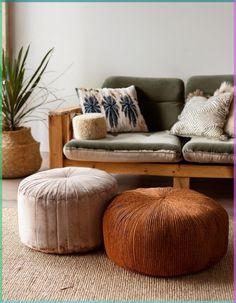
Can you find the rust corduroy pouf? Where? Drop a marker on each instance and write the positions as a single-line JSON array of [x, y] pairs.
[[165, 231]]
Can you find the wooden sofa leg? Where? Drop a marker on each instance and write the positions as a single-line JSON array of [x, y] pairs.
[[60, 132], [180, 182], [55, 141]]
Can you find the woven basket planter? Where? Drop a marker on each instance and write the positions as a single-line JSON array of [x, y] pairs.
[[20, 153]]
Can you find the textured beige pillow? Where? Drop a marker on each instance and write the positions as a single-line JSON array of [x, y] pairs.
[[203, 117], [119, 106], [229, 125]]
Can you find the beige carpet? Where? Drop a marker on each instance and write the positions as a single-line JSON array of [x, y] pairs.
[[30, 275]]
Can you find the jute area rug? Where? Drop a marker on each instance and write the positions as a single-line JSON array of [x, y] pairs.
[[31, 275]]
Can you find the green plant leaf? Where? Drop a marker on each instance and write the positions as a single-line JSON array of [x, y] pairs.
[[38, 71], [17, 91], [21, 63]]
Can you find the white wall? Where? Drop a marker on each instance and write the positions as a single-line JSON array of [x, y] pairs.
[[139, 39]]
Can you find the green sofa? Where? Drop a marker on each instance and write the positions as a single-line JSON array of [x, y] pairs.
[[161, 100]]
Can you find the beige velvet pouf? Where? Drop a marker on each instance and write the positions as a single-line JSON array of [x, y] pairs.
[[60, 210]]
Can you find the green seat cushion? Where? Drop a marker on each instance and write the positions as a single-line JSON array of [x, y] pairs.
[[205, 150], [131, 141], [208, 84], [160, 99], [153, 147]]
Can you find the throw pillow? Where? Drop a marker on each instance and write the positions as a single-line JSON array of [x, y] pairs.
[[229, 125], [203, 117], [119, 105], [197, 92]]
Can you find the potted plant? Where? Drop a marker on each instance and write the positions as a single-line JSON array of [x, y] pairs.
[[20, 151]]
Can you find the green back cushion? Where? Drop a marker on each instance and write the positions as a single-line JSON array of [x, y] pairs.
[[208, 84], [160, 99]]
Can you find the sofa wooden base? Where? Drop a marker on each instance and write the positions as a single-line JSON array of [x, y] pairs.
[[181, 173]]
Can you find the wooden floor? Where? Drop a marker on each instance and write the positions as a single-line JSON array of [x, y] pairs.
[[219, 189]]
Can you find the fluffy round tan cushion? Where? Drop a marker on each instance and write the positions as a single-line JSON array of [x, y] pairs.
[[165, 231], [89, 126], [60, 210]]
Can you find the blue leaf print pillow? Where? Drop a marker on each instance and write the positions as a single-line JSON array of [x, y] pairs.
[[91, 105], [112, 110], [129, 109], [119, 106]]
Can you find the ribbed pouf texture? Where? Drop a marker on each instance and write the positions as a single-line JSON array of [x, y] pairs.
[[60, 210], [89, 126], [165, 231]]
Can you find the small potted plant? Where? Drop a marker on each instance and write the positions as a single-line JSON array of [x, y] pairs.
[[20, 151]]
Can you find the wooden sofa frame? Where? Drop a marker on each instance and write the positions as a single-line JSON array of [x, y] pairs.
[[60, 132]]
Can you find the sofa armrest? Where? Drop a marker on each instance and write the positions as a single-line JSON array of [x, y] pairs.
[[60, 132], [66, 111]]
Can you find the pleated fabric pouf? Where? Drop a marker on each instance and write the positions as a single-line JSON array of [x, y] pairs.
[[165, 231], [60, 210]]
